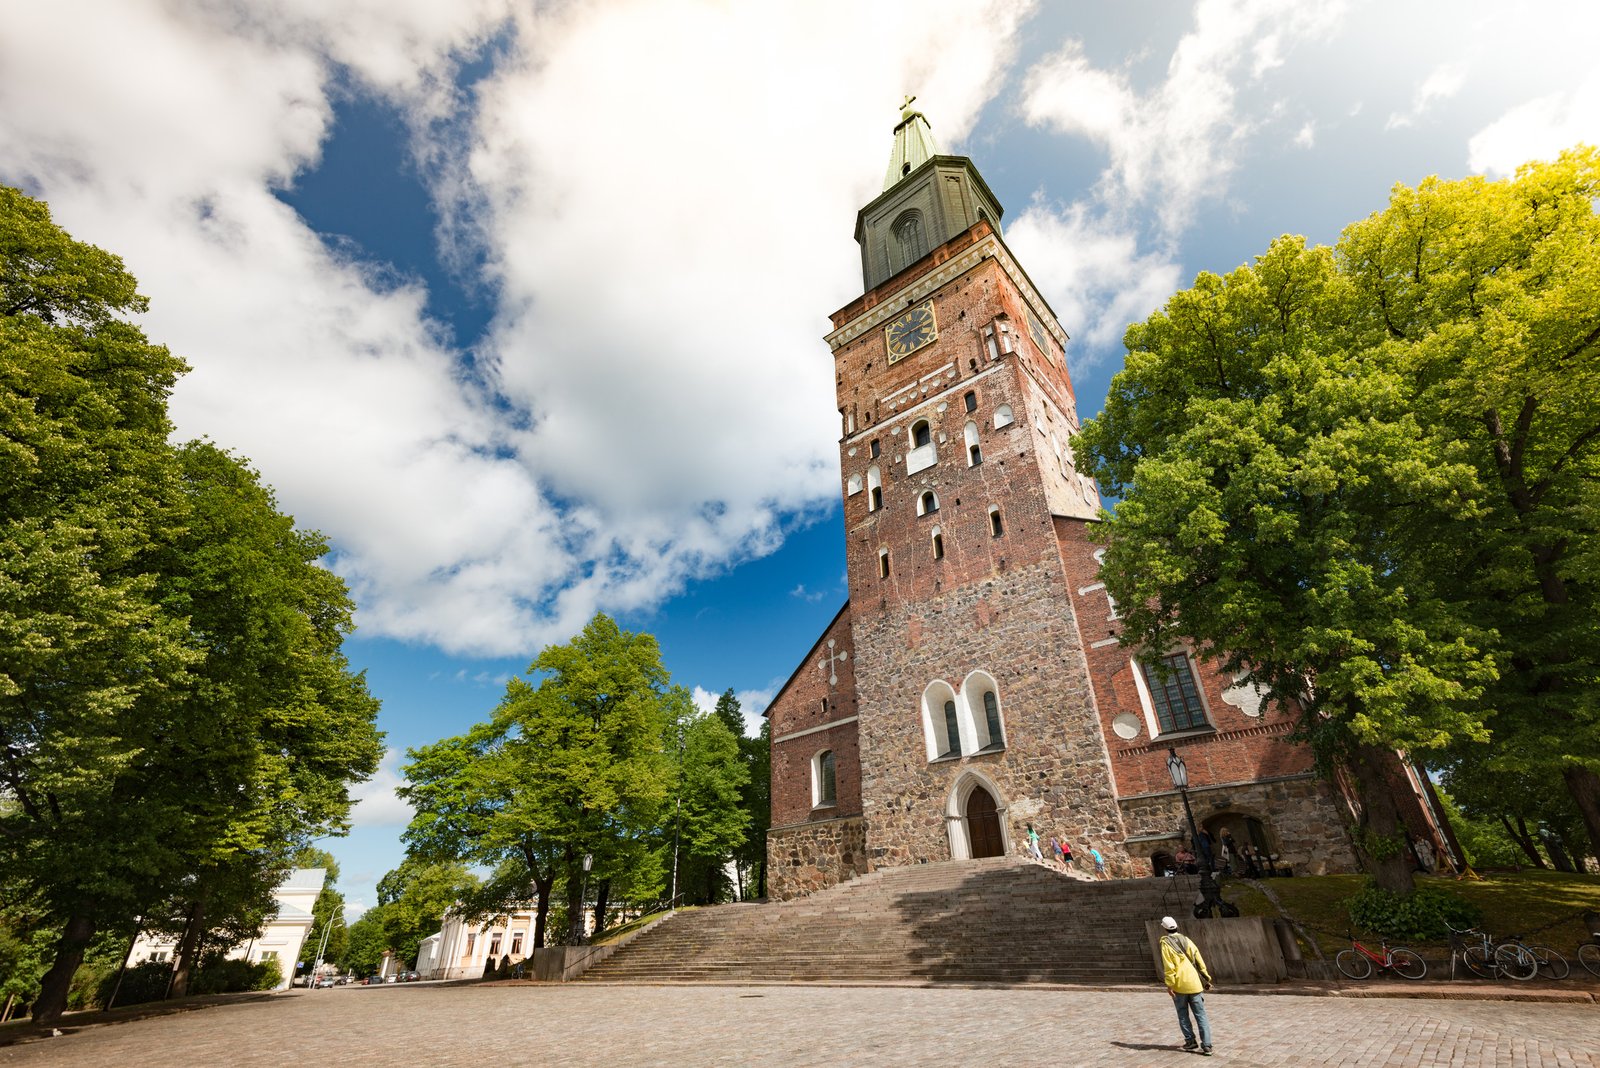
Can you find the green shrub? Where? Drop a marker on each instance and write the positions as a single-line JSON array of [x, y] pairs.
[[1424, 915], [143, 982], [218, 976]]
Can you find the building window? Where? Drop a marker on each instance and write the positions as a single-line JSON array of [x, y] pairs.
[[974, 452], [1003, 416], [516, 944], [874, 488], [472, 940], [823, 782], [874, 448], [494, 945], [996, 528], [1174, 694], [883, 563], [908, 235], [266, 954], [938, 544], [991, 715], [927, 503], [940, 725], [988, 343], [921, 433], [952, 730]]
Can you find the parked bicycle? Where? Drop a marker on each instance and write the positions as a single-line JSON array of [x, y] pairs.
[[1358, 961], [1589, 952], [1547, 963], [1510, 958]]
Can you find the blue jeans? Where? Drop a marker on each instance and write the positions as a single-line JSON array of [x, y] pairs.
[[1196, 1003]]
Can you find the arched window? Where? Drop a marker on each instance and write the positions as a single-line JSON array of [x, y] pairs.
[[1174, 693], [924, 453], [883, 563], [908, 235], [938, 544], [974, 450], [927, 503], [982, 699], [921, 433], [824, 790], [970, 399], [874, 488], [852, 486], [941, 726], [1003, 416], [996, 528]]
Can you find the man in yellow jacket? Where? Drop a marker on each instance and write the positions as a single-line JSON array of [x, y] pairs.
[[1184, 971]]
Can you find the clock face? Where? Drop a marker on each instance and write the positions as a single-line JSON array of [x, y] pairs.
[[913, 329]]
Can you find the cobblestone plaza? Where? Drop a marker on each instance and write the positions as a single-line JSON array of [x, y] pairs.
[[469, 1026]]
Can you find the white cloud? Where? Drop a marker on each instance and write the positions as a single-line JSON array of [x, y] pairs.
[[1538, 129], [1307, 136], [752, 703], [1442, 83], [375, 802], [664, 195], [804, 594], [1091, 272], [1177, 143]]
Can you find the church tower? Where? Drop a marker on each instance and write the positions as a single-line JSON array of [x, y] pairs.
[[973, 684]]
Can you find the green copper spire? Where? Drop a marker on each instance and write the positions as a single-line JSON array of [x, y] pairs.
[[913, 144]]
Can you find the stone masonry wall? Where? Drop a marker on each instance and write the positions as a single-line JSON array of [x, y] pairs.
[[809, 857], [1304, 820]]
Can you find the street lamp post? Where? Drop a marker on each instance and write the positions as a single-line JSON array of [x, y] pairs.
[[327, 929], [577, 933], [1210, 892]]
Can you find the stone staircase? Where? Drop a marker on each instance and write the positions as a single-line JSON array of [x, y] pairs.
[[1004, 920]]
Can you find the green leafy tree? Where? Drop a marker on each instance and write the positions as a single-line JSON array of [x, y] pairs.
[[1279, 495], [756, 794], [415, 897], [1489, 298], [368, 941], [569, 767], [175, 711], [713, 817]]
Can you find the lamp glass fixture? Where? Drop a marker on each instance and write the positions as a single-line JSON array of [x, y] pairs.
[[1177, 769]]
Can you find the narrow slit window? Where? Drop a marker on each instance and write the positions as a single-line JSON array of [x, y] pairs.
[[883, 563], [996, 527], [970, 400], [938, 545]]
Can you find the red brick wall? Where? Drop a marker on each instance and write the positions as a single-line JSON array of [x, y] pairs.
[[798, 708], [1240, 748]]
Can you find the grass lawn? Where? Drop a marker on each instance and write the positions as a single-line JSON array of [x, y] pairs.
[[1511, 902]]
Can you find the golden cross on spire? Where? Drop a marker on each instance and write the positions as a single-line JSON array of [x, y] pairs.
[[907, 105]]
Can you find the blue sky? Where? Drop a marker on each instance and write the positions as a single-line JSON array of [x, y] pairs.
[[522, 304]]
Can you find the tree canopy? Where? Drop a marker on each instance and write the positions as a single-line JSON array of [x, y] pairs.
[[1364, 478], [176, 714]]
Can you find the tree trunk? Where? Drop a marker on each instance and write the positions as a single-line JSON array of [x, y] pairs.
[[53, 988], [5, 1013], [1584, 786], [541, 889], [761, 875], [602, 898], [1524, 842], [1383, 838], [1558, 853], [183, 961]]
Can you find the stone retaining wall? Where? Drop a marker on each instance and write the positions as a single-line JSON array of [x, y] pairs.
[[806, 857]]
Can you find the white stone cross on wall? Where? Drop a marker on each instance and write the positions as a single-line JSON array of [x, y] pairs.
[[829, 663]]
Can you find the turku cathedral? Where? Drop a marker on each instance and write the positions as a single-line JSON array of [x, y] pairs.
[[973, 683]]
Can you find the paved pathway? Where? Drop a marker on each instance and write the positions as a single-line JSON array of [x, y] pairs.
[[470, 1026]]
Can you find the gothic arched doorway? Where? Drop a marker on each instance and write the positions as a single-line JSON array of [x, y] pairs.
[[983, 824]]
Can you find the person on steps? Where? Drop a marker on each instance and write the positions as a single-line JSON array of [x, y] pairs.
[[1183, 969], [1033, 843], [1099, 863]]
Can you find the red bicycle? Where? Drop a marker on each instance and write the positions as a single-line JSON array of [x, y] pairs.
[[1357, 962]]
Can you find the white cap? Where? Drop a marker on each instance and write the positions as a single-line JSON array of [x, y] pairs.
[[1168, 923]]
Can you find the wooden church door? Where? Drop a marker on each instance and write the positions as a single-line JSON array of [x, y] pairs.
[[983, 825]]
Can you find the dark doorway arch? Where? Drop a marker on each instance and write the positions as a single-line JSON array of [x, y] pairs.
[[983, 824], [1161, 863]]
